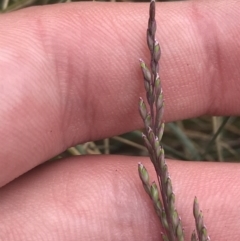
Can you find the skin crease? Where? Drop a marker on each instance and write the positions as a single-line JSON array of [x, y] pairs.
[[69, 74]]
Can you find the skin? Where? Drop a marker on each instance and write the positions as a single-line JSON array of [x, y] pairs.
[[70, 74]]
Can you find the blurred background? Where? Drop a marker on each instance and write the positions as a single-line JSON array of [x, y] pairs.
[[206, 138], [11, 5]]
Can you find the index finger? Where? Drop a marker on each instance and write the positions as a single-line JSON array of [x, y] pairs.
[[70, 73]]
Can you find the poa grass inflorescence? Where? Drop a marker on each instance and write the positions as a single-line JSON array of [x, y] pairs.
[[164, 203]]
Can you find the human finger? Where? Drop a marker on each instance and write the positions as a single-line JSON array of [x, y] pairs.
[[102, 198], [72, 74]]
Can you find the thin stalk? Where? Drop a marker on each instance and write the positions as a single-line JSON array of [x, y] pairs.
[[209, 145]]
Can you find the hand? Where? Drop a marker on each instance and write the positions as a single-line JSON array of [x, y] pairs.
[[70, 74]]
